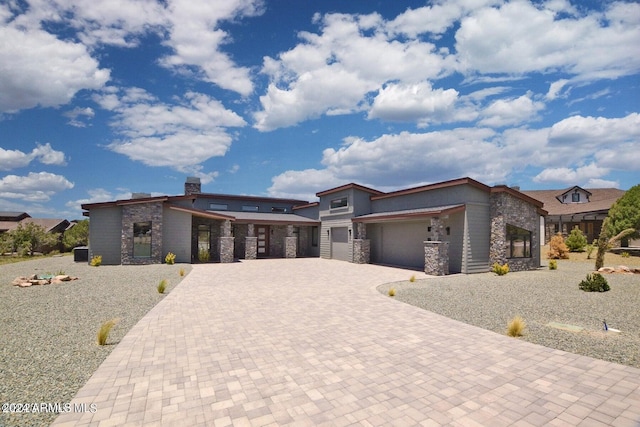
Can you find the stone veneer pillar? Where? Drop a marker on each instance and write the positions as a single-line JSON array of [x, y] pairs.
[[290, 243], [361, 245], [436, 258], [250, 244], [226, 242], [141, 212]]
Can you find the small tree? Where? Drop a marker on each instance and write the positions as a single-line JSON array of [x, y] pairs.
[[78, 235], [576, 241], [557, 248], [623, 222], [31, 237]]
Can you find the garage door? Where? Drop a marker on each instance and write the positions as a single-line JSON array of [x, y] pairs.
[[400, 244], [340, 243]]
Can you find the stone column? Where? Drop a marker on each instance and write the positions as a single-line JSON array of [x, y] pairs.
[[361, 245], [290, 243], [436, 258], [226, 242], [251, 244]]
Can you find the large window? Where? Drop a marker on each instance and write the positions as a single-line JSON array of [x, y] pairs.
[[518, 242], [142, 239], [339, 203]]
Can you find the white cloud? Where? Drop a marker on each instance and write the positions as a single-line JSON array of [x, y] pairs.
[[519, 37], [75, 116], [41, 70], [180, 136], [510, 112], [45, 154], [555, 89], [304, 184], [591, 132], [35, 187], [196, 39], [414, 102], [570, 176]]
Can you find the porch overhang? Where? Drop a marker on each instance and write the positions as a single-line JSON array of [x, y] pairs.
[[269, 218], [409, 214], [203, 214]]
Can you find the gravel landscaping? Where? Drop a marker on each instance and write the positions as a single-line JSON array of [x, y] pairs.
[[542, 297], [48, 346]]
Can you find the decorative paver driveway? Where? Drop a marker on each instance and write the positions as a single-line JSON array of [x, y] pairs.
[[311, 342]]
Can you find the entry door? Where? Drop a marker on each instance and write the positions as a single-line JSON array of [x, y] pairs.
[[262, 231]]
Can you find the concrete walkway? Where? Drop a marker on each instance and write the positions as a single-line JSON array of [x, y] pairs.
[[310, 342]]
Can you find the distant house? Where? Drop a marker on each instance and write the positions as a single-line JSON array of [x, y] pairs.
[[11, 220], [576, 207], [458, 226]]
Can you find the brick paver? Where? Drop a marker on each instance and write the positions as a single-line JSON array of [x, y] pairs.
[[310, 342]]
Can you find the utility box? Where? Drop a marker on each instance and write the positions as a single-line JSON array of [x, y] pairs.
[[81, 254]]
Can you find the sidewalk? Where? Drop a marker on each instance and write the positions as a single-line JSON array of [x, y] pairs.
[[310, 342]]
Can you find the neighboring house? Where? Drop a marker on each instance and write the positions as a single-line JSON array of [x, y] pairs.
[[449, 227], [11, 220], [576, 207]]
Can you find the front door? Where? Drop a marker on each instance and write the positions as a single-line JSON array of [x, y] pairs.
[[262, 231]]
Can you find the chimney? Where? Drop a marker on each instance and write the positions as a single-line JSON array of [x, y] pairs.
[[192, 186], [515, 187], [140, 195]]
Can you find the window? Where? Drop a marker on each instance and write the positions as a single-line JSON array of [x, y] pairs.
[[249, 208], [278, 209], [518, 242], [339, 203], [218, 206], [314, 237], [575, 197], [142, 239], [204, 238]]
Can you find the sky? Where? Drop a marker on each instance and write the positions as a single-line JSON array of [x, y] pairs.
[[286, 98]]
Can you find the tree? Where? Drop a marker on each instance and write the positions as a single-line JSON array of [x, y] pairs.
[[625, 213], [576, 241], [78, 235], [28, 238]]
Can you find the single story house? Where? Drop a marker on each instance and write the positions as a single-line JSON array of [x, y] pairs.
[[576, 207], [457, 226]]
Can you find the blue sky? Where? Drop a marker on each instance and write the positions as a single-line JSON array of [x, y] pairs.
[[290, 97]]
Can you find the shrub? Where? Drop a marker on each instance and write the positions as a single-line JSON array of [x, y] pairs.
[[96, 261], [590, 248], [576, 241], [203, 255], [625, 255], [553, 264], [500, 270], [170, 258], [557, 248], [105, 329], [594, 283], [181, 272], [516, 326], [392, 292], [412, 278], [162, 286]]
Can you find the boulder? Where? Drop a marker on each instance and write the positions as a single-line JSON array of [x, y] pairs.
[[606, 270]]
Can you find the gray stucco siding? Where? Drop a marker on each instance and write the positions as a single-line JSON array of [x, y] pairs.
[[455, 223], [105, 225], [176, 236], [438, 197]]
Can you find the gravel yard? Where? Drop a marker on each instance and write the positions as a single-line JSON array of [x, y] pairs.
[[541, 297], [48, 333]]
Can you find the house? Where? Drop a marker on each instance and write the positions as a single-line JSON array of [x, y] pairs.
[[457, 226], [11, 220], [576, 207]]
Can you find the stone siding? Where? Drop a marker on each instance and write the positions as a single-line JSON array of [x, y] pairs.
[[507, 209], [142, 212], [436, 258], [361, 251]]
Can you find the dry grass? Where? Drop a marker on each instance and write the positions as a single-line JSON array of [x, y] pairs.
[[516, 326], [162, 286], [105, 329], [392, 292], [610, 259]]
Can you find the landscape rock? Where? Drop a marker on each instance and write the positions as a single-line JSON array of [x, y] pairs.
[[26, 281]]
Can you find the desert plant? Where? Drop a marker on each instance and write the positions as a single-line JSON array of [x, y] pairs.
[[105, 329], [170, 258], [590, 248], [392, 292], [181, 272], [576, 241], [162, 286], [203, 255], [557, 248], [96, 261], [500, 270], [412, 278], [516, 326], [553, 264], [594, 283], [624, 254]]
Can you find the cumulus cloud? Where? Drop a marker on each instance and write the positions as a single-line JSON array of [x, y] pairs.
[[76, 116], [181, 135], [35, 187], [303, 184], [45, 154], [569, 176], [510, 112], [40, 70]]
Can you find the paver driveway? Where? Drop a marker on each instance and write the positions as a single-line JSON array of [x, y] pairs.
[[311, 342]]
